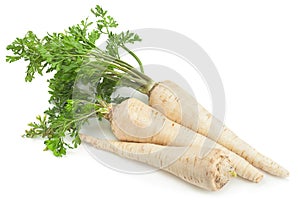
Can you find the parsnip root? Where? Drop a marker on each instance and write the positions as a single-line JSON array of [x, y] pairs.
[[179, 106], [134, 121], [211, 172]]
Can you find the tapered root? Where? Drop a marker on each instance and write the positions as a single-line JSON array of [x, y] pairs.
[[179, 106], [211, 172], [134, 121]]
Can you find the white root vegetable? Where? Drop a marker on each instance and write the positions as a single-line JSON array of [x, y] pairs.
[[79, 67], [211, 172], [134, 121], [181, 107]]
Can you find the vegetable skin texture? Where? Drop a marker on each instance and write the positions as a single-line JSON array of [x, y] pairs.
[[169, 98], [134, 121], [211, 172]]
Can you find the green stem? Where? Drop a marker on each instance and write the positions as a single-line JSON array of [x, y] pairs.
[[134, 85], [85, 117], [132, 75], [144, 82], [124, 64], [128, 75], [135, 57]]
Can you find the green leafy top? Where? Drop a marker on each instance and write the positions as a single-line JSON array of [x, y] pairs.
[[77, 63]]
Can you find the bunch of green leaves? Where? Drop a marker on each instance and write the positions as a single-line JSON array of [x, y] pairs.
[[65, 54], [66, 125], [115, 41]]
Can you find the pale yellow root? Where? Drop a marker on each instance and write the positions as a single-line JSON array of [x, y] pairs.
[[134, 121], [179, 106], [211, 172]]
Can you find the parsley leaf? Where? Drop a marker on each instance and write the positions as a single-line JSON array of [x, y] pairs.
[[84, 76]]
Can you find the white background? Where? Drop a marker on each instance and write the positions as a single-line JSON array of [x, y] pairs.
[[255, 46]]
